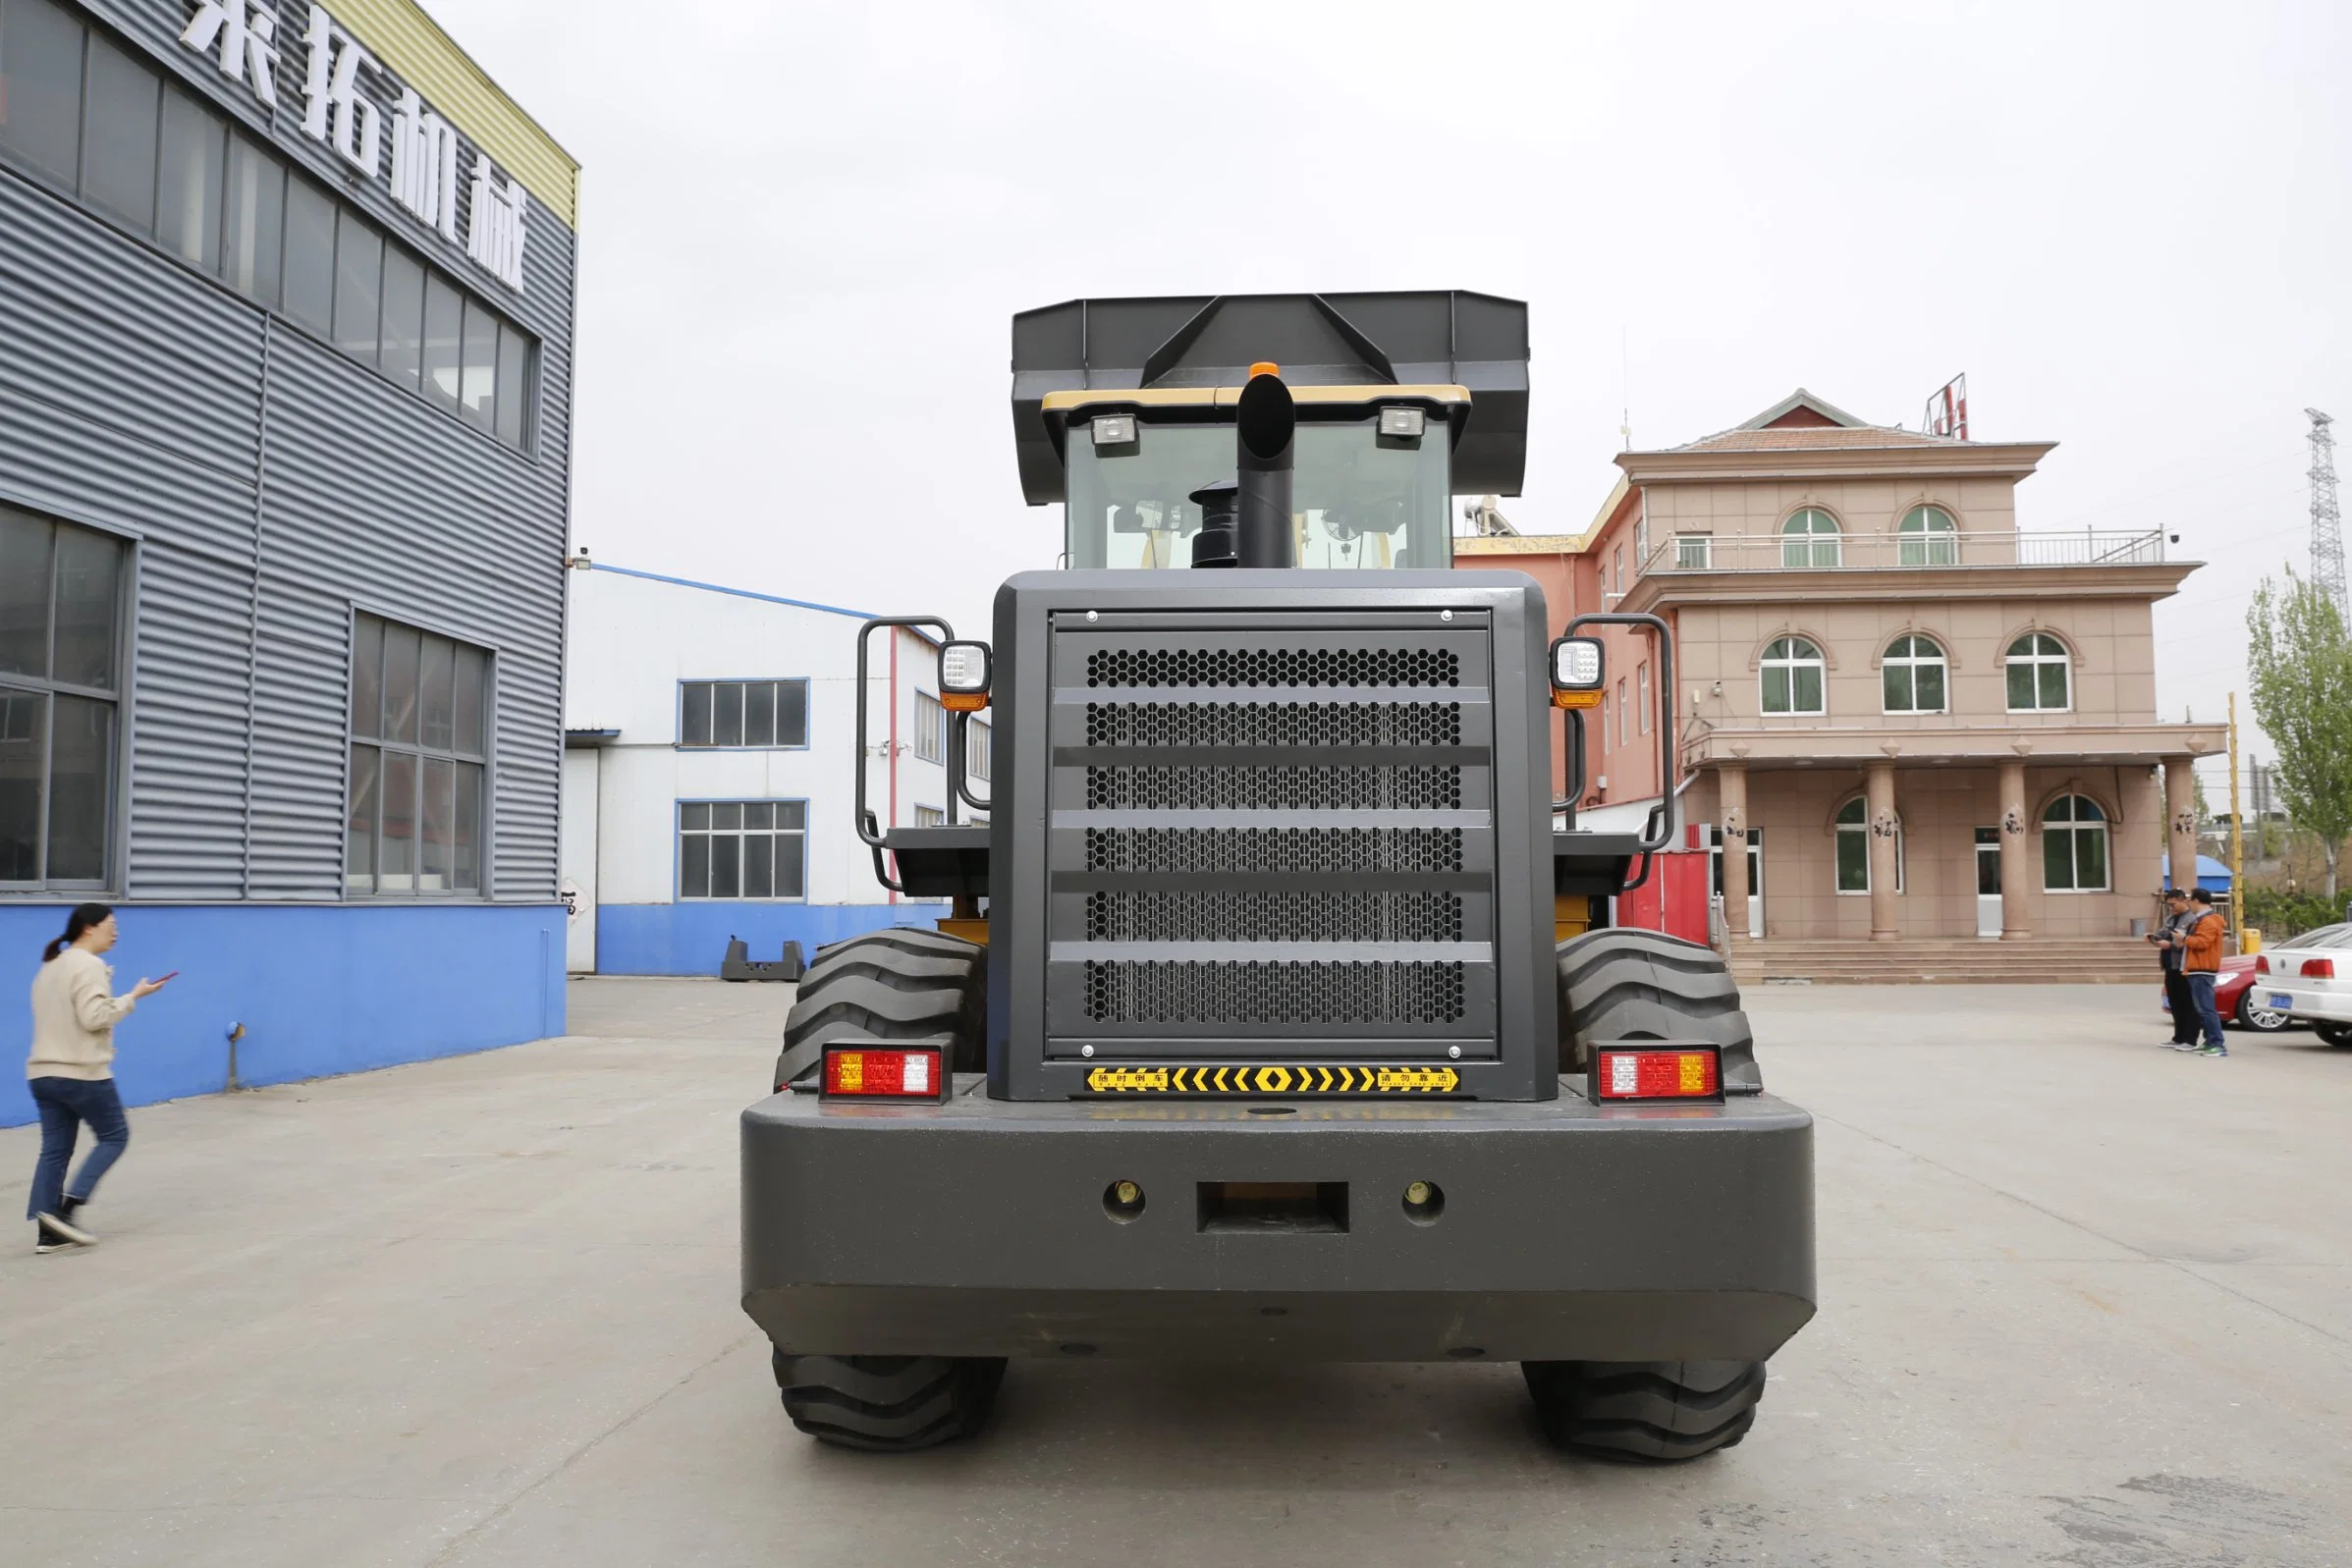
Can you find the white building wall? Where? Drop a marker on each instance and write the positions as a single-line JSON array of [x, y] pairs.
[[634, 638]]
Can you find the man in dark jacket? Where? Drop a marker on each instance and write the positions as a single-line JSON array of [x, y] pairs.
[[2171, 941]]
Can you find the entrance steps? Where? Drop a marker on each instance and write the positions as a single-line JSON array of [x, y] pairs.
[[1954, 960]]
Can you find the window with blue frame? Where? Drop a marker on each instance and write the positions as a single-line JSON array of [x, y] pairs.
[[742, 849], [748, 714]]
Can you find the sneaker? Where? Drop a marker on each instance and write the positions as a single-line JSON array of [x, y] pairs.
[[67, 1208], [2184, 1044], [2213, 1050], [72, 1234]]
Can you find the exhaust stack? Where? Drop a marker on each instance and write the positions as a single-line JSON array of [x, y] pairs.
[[1264, 424]]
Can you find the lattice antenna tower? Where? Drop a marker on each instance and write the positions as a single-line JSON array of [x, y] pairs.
[[2326, 522]]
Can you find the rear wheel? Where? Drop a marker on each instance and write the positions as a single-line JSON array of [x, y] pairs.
[[2261, 1020], [889, 1405], [1648, 1411], [1627, 984], [2334, 1034], [898, 986]]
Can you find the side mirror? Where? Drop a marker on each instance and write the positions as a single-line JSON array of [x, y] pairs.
[[1579, 672], [965, 672]]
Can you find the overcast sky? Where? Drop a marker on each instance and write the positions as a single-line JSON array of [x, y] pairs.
[[804, 228]]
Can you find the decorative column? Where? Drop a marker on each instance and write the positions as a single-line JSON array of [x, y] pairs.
[[2016, 864], [1731, 784], [2180, 817], [1878, 796]]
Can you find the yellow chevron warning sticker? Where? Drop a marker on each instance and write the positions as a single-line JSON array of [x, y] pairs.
[[1289, 1080]]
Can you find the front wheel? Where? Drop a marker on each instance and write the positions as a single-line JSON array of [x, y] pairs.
[[2261, 1020], [2334, 1034], [1653, 1412], [889, 1405]]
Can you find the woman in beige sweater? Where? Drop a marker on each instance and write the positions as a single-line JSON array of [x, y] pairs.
[[71, 1069]]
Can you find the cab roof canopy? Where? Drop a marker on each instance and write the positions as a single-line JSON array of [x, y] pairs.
[[1419, 339]]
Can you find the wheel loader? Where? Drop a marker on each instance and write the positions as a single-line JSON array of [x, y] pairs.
[[1249, 1034]]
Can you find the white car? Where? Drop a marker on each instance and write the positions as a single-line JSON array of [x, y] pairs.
[[2310, 977]]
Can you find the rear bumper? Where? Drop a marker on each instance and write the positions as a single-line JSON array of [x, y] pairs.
[[2327, 1006], [1569, 1232]]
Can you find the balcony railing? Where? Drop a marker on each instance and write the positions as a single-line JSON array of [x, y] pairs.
[[1882, 552]]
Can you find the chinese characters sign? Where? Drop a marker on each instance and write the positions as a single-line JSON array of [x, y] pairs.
[[241, 35]]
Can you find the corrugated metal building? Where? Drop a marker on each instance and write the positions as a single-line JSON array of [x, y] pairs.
[[286, 342], [711, 765]]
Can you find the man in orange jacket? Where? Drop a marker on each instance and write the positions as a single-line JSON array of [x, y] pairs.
[[2201, 962]]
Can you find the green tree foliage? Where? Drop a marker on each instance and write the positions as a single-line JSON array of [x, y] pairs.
[[2300, 664], [2278, 914]]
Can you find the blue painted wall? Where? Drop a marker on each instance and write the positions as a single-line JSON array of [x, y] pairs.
[[689, 939], [319, 989]]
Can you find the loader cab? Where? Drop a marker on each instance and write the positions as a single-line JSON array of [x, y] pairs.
[[1372, 487]]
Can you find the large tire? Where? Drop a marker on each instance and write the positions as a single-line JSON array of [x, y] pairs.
[[1646, 1412], [889, 1405], [897, 985], [1620, 983]]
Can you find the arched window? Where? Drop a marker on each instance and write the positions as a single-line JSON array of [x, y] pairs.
[[2074, 845], [2038, 679], [1912, 676], [1792, 676], [1853, 848], [1810, 539], [1929, 539]]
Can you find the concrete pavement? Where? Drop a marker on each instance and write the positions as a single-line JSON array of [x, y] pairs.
[[2084, 1301]]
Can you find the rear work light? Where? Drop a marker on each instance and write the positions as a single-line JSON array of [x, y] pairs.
[[889, 1073], [2319, 968], [1624, 1073]]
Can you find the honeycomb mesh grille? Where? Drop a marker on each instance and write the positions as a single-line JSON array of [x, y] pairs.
[[1274, 917], [1219, 851], [1274, 789], [1274, 724], [1273, 667], [1275, 992]]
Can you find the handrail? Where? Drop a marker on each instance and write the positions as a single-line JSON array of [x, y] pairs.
[[1885, 551], [1658, 830], [869, 829]]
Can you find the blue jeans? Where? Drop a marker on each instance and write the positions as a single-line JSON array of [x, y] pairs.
[[65, 1104], [2200, 989]]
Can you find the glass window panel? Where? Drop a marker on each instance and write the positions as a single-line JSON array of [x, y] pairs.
[[727, 713], [24, 748], [254, 231], [118, 153], [310, 270], [479, 393], [1776, 689], [470, 701], [2057, 860], [466, 855], [760, 714], [760, 814], [360, 822], [367, 677], [359, 285], [694, 814], [693, 865], [1895, 684], [759, 866], [187, 197], [792, 713], [694, 728], [438, 821], [40, 87], [725, 865], [514, 385], [726, 815], [1853, 861], [2021, 686], [403, 333], [2053, 685], [444, 324], [397, 865], [400, 651], [1987, 865], [2090, 858], [1808, 687], [791, 814], [25, 547], [791, 874], [437, 716], [81, 783], [88, 593], [1930, 688]]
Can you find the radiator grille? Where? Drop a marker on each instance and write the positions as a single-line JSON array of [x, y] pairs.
[[1274, 789], [1274, 993], [1274, 850], [1274, 917], [1274, 724], [1273, 667]]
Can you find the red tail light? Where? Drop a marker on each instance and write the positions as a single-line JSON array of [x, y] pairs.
[[2319, 968], [1669, 1074], [892, 1073], [2262, 964]]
